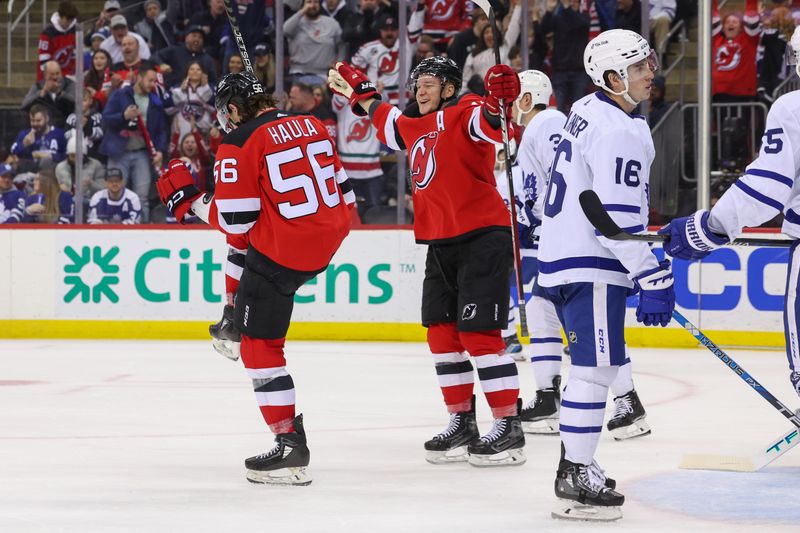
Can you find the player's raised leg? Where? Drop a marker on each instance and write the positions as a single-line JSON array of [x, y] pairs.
[[628, 419]]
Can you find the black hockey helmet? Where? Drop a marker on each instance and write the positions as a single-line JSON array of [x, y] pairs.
[[442, 67], [239, 86]]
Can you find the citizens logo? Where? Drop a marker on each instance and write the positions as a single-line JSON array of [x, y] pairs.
[[91, 274]]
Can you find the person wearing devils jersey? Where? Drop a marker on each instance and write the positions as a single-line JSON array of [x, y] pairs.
[[461, 216], [279, 182], [735, 45], [57, 41]]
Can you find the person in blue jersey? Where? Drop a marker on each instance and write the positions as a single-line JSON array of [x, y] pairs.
[[42, 144], [48, 204], [605, 148], [769, 187], [12, 200], [116, 204]]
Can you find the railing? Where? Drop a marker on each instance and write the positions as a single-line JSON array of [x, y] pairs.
[[666, 167], [680, 29], [791, 83], [12, 25]]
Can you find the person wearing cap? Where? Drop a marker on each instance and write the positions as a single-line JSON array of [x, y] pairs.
[[154, 27], [113, 43], [315, 42], [115, 204], [214, 22], [92, 171], [12, 200], [57, 41], [174, 60], [264, 66]]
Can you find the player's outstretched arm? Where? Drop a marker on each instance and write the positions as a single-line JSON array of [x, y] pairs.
[[353, 85]]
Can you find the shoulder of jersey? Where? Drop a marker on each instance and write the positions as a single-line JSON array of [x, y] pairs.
[[786, 103], [239, 136]]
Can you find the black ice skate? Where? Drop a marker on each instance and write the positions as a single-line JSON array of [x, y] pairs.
[[286, 463], [584, 493], [514, 348], [540, 416], [502, 446], [226, 338], [628, 420], [450, 446]]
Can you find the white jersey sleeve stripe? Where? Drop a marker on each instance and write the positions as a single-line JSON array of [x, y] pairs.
[[238, 215], [475, 131], [390, 130]]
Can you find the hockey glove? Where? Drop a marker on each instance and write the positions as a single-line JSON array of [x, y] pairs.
[[656, 295], [501, 83], [353, 85], [795, 379], [177, 189], [690, 237], [526, 226]]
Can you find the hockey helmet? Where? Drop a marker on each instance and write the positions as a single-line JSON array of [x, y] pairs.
[[239, 86], [439, 66], [616, 50], [537, 84], [793, 50], [500, 149]]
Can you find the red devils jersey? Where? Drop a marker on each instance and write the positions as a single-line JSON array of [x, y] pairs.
[[451, 160], [58, 46], [445, 18], [279, 179], [733, 62]]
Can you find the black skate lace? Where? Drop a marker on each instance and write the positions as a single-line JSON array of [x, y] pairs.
[[497, 430], [452, 426], [622, 406]]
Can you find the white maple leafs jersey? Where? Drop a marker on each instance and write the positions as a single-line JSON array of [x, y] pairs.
[[605, 149], [526, 249], [770, 184]]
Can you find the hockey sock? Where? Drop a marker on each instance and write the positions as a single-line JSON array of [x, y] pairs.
[[453, 369], [583, 405], [263, 359], [512, 319], [546, 343], [623, 383], [233, 272], [496, 370]]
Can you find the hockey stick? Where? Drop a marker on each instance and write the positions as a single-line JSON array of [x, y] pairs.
[[754, 463], [600, 219], [237, 36], [523, 318], [150, 146]]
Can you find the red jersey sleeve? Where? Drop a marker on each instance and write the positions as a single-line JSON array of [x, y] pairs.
[[386, 120], [237, 199]]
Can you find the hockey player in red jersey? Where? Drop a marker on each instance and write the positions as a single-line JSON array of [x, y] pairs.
[[461, 216], [279, 183]]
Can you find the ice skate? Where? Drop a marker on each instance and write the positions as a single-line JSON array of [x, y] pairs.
[[450, 446], [584, 494], [502, 446], [540, 416], [514, 348], [628, 420], [226, 338], [286, 463]]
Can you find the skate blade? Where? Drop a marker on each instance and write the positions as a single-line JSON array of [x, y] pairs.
[[283, 476], [513, 457], [229, 349], [456, 455], [546, 426], [570, 510], [637, 429]]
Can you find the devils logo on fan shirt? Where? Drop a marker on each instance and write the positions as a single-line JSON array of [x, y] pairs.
[[442, 9], [728, 56], [358, 130], [423, 161], [387, 63]]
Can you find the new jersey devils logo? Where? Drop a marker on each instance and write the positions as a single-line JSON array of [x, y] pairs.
[[358, 130], [442, 9], [728, 56], [387, 63], [423, 161]]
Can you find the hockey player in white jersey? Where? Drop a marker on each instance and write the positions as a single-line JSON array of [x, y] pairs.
[[607, 149], [769, 186]]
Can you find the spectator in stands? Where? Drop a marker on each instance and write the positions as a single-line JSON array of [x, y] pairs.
[[179, 12], [302, 100], [92, 172], [194, 102], [12, 200], [48, 204], [315, 42], [426, 47], [778, 28], [466, 40], [55, 92], [658, 102], [236, 63], [338, 10], [570, 28], [114, 204], [40, 146], [253, 22], [102, 24], [662, 13], [214, 23], [482, 56], [192, 148], [92, 122], [734, 46], [113, 43], [264, 67], [629, 15], [124, 143], [445, 18], [154, 27], [57, 41], [175, 60], [360, 27], [96, 74]]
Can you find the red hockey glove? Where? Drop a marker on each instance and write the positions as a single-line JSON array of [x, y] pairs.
[[501, 83], [177, 189], [353, 85]]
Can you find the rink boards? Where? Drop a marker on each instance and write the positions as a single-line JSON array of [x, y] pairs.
[[164, 283]]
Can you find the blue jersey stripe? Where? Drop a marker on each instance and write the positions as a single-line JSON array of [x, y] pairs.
[[771, 175], [578, 429], [623, 208], [583, 405], [759, 196], [542, 340], [538, 358], [600, 263], [792, 217]]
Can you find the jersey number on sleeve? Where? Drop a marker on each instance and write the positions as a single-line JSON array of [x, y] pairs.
[[557, 187], [772, 143], [285, 184]]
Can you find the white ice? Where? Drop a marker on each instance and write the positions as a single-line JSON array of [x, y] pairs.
[[151, 436]]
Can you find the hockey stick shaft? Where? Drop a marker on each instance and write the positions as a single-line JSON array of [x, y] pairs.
[[523, 316], [237, 36], [149, 143], [600, 219], [735, 367]]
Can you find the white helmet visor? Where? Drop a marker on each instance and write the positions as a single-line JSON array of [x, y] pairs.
[[643, 68]]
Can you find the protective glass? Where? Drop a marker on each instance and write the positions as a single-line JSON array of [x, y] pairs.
[[643, 68]]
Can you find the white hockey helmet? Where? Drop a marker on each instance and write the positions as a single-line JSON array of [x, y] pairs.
[[537, 84], [498, 149], [793, 50], [616, 50]]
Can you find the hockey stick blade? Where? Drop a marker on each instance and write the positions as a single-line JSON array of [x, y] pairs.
[[602, 221], [759, 460]]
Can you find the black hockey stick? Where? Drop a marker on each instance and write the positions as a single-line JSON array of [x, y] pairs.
[[523, 317], [237, 36], [600, 219]]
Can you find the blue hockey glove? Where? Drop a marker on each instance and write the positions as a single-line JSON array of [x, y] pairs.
[[795, 378], [526, 226], [656, 295], [690, 237]]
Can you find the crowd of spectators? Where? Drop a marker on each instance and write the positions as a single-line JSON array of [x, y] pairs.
[[151, 70]]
